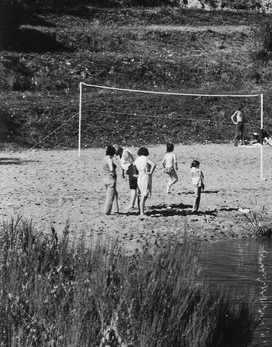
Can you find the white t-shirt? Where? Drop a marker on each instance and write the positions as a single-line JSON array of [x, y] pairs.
[[169, 160], [197, 177]]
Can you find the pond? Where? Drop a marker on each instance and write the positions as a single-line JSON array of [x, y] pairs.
[[244, 265]]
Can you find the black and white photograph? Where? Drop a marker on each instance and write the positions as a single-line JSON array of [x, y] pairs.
[[136, 173]]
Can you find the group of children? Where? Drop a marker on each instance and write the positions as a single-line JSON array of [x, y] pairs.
[[140, 171]]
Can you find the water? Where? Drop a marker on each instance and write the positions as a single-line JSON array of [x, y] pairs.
[[244, 265]]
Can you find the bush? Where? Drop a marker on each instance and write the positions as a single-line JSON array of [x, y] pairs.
[[58, 293], [263, 36], [266, 33], [259, 226], [8, 23], [12, 14]]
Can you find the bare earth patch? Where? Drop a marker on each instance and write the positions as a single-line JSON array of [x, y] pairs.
[[52, 188], [223, 29]]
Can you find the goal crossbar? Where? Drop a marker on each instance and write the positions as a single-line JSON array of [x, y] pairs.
[[81, 84], [168, 93]]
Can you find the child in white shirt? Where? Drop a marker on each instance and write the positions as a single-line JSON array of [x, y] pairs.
[[170, 166], [198, 183]]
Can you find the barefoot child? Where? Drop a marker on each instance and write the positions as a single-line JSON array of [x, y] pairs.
[[198, 183], [170, 166], [126, 161]]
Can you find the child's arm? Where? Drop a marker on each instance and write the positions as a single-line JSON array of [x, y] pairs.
[[232, 117]]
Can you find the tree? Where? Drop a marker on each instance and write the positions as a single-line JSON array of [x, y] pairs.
[[10, 17]]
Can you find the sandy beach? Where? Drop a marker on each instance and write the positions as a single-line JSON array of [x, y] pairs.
[[53, 188]]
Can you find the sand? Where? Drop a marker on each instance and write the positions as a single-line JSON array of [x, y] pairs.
[[53, 188]]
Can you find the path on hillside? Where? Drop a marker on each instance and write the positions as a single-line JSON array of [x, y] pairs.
[[226, 29]]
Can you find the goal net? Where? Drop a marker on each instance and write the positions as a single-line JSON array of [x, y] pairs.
[[137, 117]]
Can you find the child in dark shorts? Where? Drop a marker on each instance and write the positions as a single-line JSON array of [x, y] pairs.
[[126, 161], [132, 180]]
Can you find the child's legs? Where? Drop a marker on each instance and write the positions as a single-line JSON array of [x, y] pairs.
[[197, 198], [174, 177], [168, 185], [133, 194], [133, 189]]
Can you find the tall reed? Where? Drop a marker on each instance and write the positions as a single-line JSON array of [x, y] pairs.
[[61, 293]]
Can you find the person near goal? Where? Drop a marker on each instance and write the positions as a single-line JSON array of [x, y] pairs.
[[110, 180], [145, 168], [239, 119], [198, 183], [170, 166], [126, 161]]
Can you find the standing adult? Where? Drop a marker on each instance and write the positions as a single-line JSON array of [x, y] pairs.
[[126, 161], [110, 180], [145, 168], [239, 119]]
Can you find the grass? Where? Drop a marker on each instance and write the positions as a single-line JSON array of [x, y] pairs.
[[259, 226], [60, 293], [161, 49]]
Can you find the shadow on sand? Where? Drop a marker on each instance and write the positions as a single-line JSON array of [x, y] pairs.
[[203, 192], [15, 161], [164, 210]]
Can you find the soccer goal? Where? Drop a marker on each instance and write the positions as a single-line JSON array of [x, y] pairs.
[[136, 116]]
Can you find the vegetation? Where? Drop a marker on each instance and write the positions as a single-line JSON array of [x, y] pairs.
[[258, 224], [159, 49], [69, 293], [61, 293]]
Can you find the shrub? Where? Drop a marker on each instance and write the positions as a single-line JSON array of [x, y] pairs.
[[266, 33], [259, 227], [263, 36], [8, 23]]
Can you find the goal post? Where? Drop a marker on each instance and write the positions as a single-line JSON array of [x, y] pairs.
[[261, 147], [80, 117], [152, 94]]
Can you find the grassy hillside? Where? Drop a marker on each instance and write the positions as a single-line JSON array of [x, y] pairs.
[[161, 49]]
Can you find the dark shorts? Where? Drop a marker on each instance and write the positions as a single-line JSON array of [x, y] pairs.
[[132, 182], [169, 170], [131, 179]]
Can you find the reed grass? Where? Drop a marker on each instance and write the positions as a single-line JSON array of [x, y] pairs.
[[258, 226], [60, 293]]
